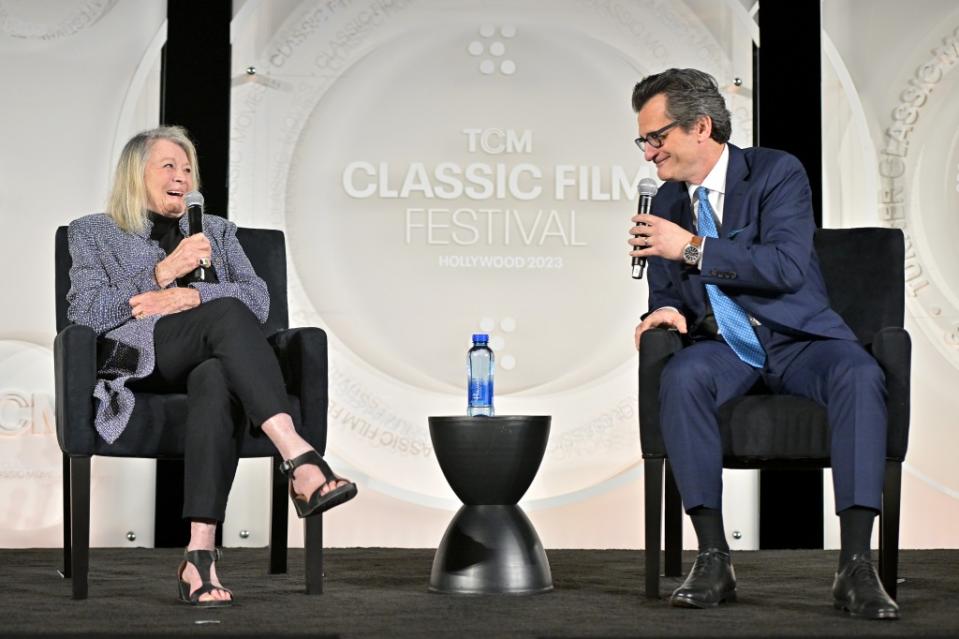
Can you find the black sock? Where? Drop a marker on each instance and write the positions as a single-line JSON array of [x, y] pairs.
[[855, 532], [708, 523]]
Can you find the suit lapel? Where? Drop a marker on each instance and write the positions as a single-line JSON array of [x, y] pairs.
[[735, 216]]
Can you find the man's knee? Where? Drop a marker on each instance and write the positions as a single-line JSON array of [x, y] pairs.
[[685, 374], [858, 369]]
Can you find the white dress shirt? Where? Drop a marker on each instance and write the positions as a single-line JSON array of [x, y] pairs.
[[715, 183]]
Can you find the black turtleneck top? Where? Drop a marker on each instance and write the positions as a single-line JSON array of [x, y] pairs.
[[166, 231]]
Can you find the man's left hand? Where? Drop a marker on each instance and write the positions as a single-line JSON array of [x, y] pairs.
[[657, 237], [165, 302]]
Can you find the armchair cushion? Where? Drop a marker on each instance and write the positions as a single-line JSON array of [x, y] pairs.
[[761, 427]]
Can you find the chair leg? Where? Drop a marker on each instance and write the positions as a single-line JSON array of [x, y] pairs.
[[313, 545], [653, 469], [66, 571], [279, 518], [889, 527], [80, 523], [674, 526]]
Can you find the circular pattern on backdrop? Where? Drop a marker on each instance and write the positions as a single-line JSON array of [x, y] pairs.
[[424, 201], [50, 20], [918, 161]]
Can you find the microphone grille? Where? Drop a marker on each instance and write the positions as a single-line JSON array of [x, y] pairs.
[[195, 198], [648, 186]]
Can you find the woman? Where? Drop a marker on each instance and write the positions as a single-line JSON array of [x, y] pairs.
[[204, 337]]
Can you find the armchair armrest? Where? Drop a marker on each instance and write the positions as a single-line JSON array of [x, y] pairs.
[[75, 374], [302, 353], [656, 346], [892, 348]]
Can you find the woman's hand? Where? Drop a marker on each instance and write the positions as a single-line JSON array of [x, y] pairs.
[[165, 302], [185, 258]]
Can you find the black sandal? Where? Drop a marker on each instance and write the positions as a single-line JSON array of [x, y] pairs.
[[316, 503], [203, 561]]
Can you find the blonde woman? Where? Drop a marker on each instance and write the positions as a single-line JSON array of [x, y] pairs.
[[202, 337]]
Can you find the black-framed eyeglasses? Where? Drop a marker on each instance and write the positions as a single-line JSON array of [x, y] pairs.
[[655, 138]]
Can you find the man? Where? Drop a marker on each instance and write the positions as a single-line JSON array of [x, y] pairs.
[[731, 264]]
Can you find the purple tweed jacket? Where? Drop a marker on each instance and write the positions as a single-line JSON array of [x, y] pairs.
[[109, 267]]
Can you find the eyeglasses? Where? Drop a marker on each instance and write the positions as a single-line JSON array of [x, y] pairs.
[[655, 138]]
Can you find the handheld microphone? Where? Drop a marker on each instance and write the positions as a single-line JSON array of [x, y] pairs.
[[194, 211], [647, 190]]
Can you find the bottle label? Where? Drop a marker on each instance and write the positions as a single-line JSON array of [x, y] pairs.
[[481, 392]]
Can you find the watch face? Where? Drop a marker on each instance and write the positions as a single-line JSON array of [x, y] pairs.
[[691, 254]]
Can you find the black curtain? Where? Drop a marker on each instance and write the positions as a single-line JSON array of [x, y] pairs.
[[195, 93]]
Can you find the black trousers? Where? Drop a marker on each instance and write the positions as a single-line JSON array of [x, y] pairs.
[[217, 354]]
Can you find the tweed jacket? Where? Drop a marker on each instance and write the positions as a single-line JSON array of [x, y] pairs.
[[109, 267]]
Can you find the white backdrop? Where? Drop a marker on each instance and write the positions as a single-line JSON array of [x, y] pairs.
[[441, 171]]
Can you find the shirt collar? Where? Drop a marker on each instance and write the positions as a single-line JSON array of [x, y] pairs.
[[716, 178]]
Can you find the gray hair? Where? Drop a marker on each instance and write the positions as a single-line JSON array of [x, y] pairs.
[[128, 197], [690, 95]]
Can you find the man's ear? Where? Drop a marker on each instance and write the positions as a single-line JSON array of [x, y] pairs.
[[704, 128]]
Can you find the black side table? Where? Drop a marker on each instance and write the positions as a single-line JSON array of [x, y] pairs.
[[490, 545]]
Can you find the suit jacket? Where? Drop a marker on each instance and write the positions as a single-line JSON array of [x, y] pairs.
[[764, 257], [109, 267]]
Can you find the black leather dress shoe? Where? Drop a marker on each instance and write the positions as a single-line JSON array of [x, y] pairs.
[[858, 591], [710, 582]]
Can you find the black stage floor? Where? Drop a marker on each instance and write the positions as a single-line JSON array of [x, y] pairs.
[[378, 592]]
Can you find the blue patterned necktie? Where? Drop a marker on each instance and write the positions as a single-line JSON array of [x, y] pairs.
[[730, 316]]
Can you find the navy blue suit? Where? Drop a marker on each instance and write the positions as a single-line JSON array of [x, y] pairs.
[[765, 261]]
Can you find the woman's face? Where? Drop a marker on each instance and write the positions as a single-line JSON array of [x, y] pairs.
[[168, 178]]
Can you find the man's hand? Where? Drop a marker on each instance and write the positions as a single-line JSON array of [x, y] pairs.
[[657, 237], [184, 259], [659, 318], [165, 302]]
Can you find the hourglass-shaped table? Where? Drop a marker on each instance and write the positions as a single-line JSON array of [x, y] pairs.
[[490, 545]]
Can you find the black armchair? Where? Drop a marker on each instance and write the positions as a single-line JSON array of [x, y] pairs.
[[156, 428], [864, 273]]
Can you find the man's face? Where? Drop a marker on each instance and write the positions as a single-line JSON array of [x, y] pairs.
[[680, 157]]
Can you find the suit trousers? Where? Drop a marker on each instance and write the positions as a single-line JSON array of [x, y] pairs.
[[217, 354], [837, 374]]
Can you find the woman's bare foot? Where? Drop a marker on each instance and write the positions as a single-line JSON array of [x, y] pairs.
[[203, 537], [192, 576], [308, 478]]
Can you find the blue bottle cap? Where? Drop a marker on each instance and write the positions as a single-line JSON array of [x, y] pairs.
[[480, 338]]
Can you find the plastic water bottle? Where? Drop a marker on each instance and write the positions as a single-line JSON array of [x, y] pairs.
[[479, 370]]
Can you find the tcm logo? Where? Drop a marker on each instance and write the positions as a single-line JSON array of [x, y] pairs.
[[26, 414]]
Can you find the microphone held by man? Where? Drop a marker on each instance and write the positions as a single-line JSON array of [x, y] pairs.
[[647, 191]]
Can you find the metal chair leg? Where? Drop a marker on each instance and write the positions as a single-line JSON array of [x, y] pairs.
[[80, 524], [313, 544], [279, 520], [67, 569], [674, 526], [653, 469], [889, 527]]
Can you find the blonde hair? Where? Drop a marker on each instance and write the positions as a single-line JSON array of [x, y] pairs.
[[128, 198]]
